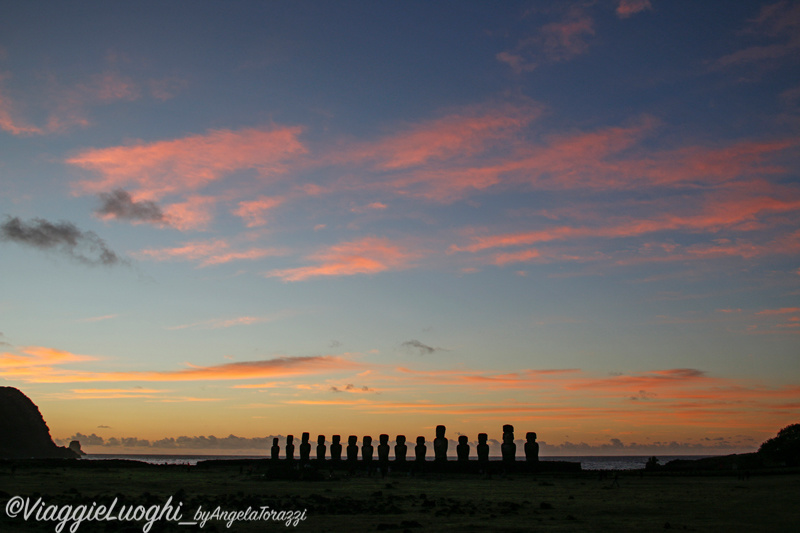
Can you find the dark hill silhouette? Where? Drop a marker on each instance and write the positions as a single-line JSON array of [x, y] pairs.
[[23, 432]]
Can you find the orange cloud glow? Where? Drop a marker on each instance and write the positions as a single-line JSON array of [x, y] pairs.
[[188, 164], [367, 256], [213, 252], [254, 211], [462, 134], [8, 118], [781, 311], [40, 368], [628, 8]]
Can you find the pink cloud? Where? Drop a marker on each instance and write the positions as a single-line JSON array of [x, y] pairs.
[[566, 39], [628, 8], [40, 368], [366, 256], [166, 88], [781, 311], [9, 120], [211, 252], [195, 213], [111, 86], [779, 21], [190, 163], [466, 132], [374, 206], [551, 43], [255, 211], [734, 210], [219, 323]]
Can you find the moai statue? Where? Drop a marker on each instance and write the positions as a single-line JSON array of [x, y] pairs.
[[420, 449], [383, 454], [508, 448], [440, 444], [305, 448], [336, 448], [483, 448], [400, 449], [383, 448], [531, 448], [321, 448], [463, 448], [290, 447], [366, 449], [352, 449], [276, 449]]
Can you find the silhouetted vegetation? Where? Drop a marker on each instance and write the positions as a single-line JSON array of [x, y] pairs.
[[783, 448]]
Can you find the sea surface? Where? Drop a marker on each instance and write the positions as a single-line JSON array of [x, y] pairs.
[[588, 462]]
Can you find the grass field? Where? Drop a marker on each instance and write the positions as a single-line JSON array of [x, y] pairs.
[[433, 502]]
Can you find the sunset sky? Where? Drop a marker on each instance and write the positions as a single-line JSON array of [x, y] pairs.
[[250, 218]]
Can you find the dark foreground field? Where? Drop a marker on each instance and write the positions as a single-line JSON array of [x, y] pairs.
[[432, 502]]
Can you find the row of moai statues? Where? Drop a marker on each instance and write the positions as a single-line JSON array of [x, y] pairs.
[[440, 444]]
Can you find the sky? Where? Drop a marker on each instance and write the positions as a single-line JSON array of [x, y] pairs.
[[244, 219]]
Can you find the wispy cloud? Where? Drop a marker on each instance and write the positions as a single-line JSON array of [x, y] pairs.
[[464, 132], [98, 318], [66, 103], [42, 365], [207, 253], [779, 24], [255, 211], [9, 116], [369, 255], [62, 237], [187, 164], [218, 323], [628, 8], [781, 311], [554, 42]]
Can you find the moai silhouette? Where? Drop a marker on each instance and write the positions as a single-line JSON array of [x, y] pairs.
[[420, 449], [321, 448], [276, 449], [440, 444], [463, 448], [336, 448], [305, 448], [366, 449], [352, 449], [290, 447], [383, 454], [508, 448], [483, 448], [531, 448], [400, 449], [383, 448]]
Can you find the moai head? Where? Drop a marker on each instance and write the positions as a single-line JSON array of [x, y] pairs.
[[305, 437], [384, 439], [367, 441], [420, 441], [440, 430], [401, 439], [462, 439], [337, 439], [482, 438], [275, 441], [530, 436], [321, 440], [289, 439], [508, 433], [351, 440]]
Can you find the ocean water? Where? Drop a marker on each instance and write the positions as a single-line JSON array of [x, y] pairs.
[[588, 462]]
